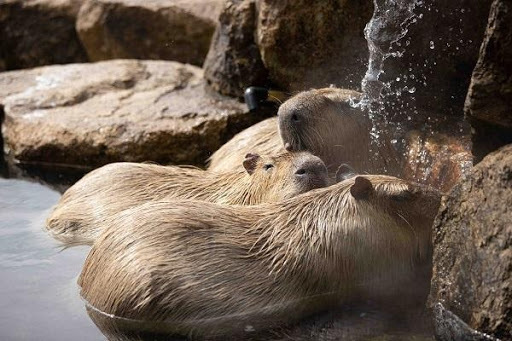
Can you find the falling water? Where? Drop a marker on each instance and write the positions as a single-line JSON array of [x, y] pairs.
[[389, 24]]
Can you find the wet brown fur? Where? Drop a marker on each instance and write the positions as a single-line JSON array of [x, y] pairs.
[[199, 268], [331, 129], [115, 187]]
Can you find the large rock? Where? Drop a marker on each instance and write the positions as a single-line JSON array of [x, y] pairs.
[[436, 158], [489, 99], [178, 30], [472, 275], [92, 114], [434, 69], [39, 32], [234, 62], [307, 44]]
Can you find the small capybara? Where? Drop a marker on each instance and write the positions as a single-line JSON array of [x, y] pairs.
[[118, 186], [323, 122], [205, 269]]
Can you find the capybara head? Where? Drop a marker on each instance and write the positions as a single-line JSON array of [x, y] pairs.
[[287, 174], [324, 122]]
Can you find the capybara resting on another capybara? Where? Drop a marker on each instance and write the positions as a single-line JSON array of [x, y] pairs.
[[191, 267], [323, 122], [118, 186]]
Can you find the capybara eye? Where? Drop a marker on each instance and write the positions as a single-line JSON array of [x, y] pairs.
[[295, 117], [268, 166]]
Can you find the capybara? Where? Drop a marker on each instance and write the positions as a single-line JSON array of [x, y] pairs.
[[199, 268], [118, 186], [323, 122]]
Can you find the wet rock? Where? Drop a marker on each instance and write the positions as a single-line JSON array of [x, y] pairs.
[[234, 62], [86, 115], [308, 44], [436, 159], [489, 99], [472, 273], [449, 327], [434, 68], [178, 30], [39, 32]]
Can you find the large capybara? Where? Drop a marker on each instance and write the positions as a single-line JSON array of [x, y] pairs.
[[115, 187], [203, 269], [323, 122]]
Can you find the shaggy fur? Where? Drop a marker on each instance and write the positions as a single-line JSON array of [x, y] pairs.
[[115, 187], [261, 138], [320, 121], [207, 268]]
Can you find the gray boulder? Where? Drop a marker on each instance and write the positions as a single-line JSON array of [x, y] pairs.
[[86, 115]]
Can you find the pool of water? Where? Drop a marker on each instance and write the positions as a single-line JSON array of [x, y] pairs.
[[39, 297]]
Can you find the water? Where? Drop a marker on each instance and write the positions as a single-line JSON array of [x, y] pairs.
[[389, 24], [39, 297], [384, 32]]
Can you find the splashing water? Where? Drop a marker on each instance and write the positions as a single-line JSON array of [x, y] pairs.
[[389, 24]]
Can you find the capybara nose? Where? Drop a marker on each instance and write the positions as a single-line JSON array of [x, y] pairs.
[[313, 170], [294, 117], [290, 116]]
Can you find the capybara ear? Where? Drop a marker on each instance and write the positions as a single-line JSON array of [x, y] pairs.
[[344, 172], [361, 188], [250, 162]]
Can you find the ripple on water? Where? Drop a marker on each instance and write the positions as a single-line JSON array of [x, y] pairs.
[[39, 297]]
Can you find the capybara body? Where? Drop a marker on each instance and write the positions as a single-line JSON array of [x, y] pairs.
[[201, 268], [323, 122], [118, 186]]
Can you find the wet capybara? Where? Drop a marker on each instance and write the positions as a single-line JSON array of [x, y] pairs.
[[323, 122], [118, 186], [198, 268]]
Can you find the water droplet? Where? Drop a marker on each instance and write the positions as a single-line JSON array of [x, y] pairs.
[[432, 45], [398, 79], [412, 90]]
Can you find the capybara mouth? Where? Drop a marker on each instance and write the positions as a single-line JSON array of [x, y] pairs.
[[293, 145]]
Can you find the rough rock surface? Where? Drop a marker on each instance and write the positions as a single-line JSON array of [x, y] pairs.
[[489, 99], [39, 32], [307, 44], [234, 62], [436, 159], [436, 64], [472, 274], [92, 114], [179, 30]]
